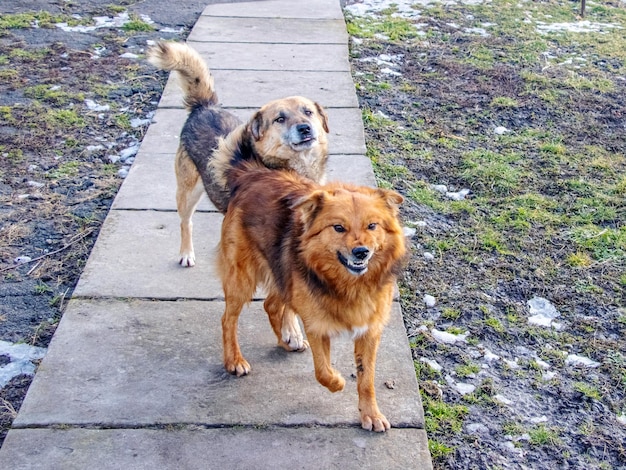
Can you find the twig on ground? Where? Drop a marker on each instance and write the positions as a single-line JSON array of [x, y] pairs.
[[72, 242]]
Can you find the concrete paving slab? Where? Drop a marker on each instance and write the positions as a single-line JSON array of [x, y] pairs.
[[151, 184], [269, 30], [252, 89], [201, 449], [253, 56], [163, 134], [312, 9], [355, 169], [138, 363], [136, 255]]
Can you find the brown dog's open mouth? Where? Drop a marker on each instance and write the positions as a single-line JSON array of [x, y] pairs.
[[356, 267]]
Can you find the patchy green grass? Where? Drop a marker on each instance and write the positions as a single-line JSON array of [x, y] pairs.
[[137, 25], [546, 211], [53, 94]]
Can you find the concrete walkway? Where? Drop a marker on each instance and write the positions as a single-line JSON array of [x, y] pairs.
[[133, 376]]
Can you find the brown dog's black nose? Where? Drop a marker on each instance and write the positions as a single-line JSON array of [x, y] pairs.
[[304, 130], [360, 252]]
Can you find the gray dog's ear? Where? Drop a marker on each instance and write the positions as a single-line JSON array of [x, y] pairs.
[[257, 125], [323, 115]]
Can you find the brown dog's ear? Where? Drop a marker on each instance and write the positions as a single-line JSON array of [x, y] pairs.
[[257, 126], [392, 198], [309, 206], [323, 115]]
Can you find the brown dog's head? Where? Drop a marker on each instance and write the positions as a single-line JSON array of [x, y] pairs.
[[350, 231], [291, 133]]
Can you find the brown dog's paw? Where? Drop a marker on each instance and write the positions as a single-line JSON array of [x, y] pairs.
[[238, 367], [294, 346], [292, 337], [374, 422], [333, 382], [187, 260]]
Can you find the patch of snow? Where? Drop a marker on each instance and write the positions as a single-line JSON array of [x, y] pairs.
[[434, 365], [575, 360], [22, 259], [543, 313], [129, 152], [502, 399], [464, 389], [489, 356], [584, 26], [500, 130], [172, 30], [409, 232], [458, 195], [478, 31], [547, 376], [388, 71], [21, 356], [477, 428], [448, 338], [93, 106], [129, 55], [429, 300], [622, 419], [440, 188]]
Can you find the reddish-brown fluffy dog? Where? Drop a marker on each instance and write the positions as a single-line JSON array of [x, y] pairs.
[[329, 253]]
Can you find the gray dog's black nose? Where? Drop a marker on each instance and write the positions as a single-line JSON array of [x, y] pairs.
[[303, 129], [360, 252]]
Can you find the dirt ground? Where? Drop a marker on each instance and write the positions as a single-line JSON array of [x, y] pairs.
[[72, 111], [508, 143], [537, 143]]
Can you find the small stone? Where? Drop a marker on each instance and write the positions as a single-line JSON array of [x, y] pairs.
[[500, 130], [390, 384], [22, 259], [428, 256]]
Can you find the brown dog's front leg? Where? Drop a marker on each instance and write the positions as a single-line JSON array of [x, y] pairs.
[[234, 361], [365, 349], [324, 373]]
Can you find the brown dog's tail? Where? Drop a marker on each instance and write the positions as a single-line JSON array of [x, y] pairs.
[[196, 79]]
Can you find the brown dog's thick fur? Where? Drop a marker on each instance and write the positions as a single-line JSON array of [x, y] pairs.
[[285, 133], [329, 253]]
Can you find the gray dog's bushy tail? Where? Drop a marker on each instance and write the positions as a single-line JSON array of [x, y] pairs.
[[195, 78]]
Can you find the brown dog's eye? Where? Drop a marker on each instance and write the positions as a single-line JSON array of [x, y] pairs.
[[308, 112], [279, 119], [372, 226], [339, 228]]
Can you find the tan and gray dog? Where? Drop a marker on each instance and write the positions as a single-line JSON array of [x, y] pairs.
[[288, 133]]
